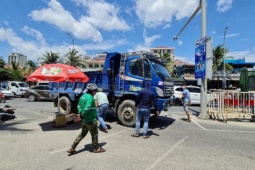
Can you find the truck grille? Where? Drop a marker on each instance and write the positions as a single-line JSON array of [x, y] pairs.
[[169, 91]]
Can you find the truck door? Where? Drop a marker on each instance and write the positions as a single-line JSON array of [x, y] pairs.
[[14, 87]]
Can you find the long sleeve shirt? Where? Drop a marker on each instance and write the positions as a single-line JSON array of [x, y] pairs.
[[146, 99]]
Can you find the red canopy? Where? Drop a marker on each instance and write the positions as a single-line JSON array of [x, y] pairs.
[[58, 73]]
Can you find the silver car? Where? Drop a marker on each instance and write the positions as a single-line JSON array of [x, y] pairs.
[[8, 94]]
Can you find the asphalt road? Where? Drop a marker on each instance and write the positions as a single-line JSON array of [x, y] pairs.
[[30, 142]]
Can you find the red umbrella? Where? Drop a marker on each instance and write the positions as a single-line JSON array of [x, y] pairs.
[[58, 73]]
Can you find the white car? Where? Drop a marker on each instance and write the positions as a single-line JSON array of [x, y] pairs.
[[194, 93], [8, 94]]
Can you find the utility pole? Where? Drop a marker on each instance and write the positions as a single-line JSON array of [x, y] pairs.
[[224, 69], [71, 38], [203, 104]]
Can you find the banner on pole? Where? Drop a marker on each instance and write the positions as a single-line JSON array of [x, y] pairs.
[[200, 58]]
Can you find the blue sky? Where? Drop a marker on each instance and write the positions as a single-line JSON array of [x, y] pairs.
[[32, 27]]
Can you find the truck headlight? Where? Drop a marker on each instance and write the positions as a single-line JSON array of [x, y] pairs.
[[159, 92]]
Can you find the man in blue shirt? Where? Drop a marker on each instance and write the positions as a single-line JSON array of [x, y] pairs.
[[144, 102], [186, 100]]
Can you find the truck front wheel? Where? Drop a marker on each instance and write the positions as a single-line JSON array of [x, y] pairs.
[[127, 113], [64, 105]]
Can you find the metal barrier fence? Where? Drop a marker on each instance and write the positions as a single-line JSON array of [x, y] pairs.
[[231, 104]]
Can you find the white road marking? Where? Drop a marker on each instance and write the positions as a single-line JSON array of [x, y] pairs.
[[199, 125], [166, 154], [217, 130], [61, 150]]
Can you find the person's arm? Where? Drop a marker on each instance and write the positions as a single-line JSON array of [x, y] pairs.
[[138, 99], [154, 101]]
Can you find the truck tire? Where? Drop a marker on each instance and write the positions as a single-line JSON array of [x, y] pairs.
[[127, 113], [64, 105]]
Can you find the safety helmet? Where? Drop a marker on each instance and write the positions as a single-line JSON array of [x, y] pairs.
[[92, 86]]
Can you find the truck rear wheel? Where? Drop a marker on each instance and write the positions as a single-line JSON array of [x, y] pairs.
[[64, 105], [127, 113]]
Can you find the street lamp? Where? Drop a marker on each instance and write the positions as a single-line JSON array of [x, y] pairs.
[[224, 72], [71, 38]]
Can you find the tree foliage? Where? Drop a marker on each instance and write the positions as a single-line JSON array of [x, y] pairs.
[[72, 58], [50, 58], [219, 52]]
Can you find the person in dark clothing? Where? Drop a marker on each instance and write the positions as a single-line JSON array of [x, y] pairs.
[[144, 102]]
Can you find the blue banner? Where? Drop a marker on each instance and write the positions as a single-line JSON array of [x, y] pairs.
[[200, 58]]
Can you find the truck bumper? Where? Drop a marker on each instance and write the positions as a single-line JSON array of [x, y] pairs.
[[163, 103]]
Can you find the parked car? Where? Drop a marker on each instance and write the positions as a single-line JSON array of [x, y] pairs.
[[8, 94], [18, 88], [40, 92], [194, 93]]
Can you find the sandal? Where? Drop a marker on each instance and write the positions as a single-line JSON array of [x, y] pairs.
[[71, 150], [146, 137], [135, 135], [99, 150]]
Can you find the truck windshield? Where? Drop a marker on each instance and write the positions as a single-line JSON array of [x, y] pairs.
[[23, 85], [161, 71]]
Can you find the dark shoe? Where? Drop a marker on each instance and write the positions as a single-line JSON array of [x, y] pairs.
[[99, 150], [104, 130], [71, 150]]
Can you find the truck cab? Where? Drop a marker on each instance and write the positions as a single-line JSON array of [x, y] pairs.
[[18, 88]]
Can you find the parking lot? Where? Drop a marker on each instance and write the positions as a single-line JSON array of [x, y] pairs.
[[30, 142]]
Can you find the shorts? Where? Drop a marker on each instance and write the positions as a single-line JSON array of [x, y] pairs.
[[186, 106]]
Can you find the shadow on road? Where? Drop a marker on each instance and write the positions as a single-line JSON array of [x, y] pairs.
[[194, 112], [48, 126], [10, 126], [160, 122]]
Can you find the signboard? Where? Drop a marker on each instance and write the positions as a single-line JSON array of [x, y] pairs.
[[200, 58]]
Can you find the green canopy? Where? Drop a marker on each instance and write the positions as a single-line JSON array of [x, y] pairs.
[[244, 79]]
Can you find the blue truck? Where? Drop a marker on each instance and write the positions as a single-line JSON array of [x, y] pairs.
[[121, 78]]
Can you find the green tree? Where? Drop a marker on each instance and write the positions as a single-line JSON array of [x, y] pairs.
[[218, 63], [16, 72], [50, 58], [2, 62], [72, 58], [29, 68]]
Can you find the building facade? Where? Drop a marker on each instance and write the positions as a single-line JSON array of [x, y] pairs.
[[17, 58], [161, 50]]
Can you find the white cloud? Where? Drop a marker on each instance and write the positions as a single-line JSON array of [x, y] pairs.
[[58, 16], [229, 35], [148, 41], [180, 42], [213, 32], [155, 13], [32, 49], [103, 15], [224, 5], [35, 33], [167, 26], [249, 55]]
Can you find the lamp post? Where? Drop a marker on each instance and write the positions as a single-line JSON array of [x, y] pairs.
[[224, 71], [71, 38]]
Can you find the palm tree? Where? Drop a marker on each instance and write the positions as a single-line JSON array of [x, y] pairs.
[[73, 59], [29, 68], [218, 63], [50, 58]]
